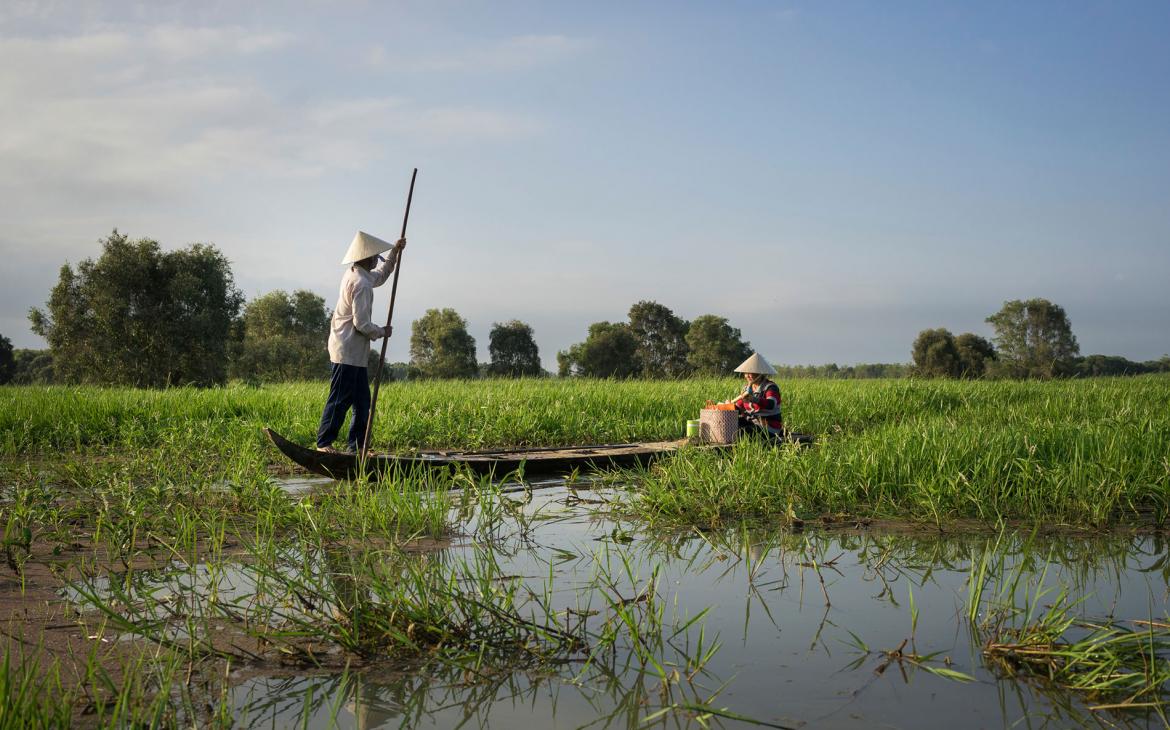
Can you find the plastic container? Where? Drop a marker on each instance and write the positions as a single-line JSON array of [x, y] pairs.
[[693, 430]]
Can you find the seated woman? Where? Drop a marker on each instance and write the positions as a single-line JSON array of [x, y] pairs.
[[759, 404]]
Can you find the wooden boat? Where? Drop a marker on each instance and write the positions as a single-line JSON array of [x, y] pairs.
[[549, 460], [535, 461]]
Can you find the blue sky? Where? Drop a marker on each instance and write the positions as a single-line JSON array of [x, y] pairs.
[[832, 177]]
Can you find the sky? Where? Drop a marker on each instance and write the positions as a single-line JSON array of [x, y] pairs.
[[831, 177]]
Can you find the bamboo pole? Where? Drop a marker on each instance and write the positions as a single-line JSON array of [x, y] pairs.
[[389, 319]]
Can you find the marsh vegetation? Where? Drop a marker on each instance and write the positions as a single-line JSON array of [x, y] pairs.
[[997, 547]]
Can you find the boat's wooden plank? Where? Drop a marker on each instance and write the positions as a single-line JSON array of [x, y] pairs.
[[546, 460], [533, 461]]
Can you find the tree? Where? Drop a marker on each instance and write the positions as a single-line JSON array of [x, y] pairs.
[[372, 358], [440, 346], [566, 360], [1102, 365], [974, 354], [661, 336], [935, 354], [283, 338], [139, 316], [609, 351], [33, 367], [1034, 339], [1161, 365], [7, 360], [715, 347], [513, 350], [391, 371]]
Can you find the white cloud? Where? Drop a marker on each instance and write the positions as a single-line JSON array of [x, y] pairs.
[[192, 133], [97, 110], [440, 123], [94, 46], [176, 42], [361, 112], [529, 50], [511, 54]]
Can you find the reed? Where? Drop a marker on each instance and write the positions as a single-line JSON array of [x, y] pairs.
[[29, 693], [1084, 452], [1031, 629], [134, 485]]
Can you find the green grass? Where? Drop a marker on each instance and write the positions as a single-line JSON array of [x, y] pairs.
[[1084, 452], [1030, 630], [419, 414], [179, 480], [29, 696], [1080, 452]]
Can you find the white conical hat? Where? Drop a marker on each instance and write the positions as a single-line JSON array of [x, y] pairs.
[[756, 365], [364, 246]]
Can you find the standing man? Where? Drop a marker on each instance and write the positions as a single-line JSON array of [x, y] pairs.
[[350, 332]]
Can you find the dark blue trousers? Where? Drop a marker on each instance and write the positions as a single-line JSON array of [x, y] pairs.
[[348, 387]]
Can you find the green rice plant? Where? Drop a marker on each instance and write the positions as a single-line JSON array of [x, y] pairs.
[[1071, 453], [178, 484], [656, 662], [1081, 452], [398, 507], [152, 690], [156, 691], [31, 696], [1038, 633], [387, 604], [1116, 665], [321, 598], [221, 421], [369, 603]]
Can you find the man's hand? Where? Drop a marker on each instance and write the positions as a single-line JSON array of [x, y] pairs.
[[387, 331], [401, 244]]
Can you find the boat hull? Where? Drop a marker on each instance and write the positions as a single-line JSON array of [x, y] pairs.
[[540, 461]]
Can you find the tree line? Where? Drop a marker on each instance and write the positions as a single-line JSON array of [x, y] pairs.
[[655, 343], [1033, 339], [141, 316]]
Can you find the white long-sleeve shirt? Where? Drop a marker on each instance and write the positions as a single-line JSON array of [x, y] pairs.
[[351, 328]]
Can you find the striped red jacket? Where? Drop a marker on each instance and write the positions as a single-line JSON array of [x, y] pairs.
[[763, 405]]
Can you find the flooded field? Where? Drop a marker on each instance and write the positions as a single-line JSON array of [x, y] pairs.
[[832, 626], [979, 554]]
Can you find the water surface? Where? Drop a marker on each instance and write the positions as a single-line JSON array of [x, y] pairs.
[[804, 621]]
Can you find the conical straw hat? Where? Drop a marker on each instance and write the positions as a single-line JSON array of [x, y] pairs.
[[756, 365], [364, 246]]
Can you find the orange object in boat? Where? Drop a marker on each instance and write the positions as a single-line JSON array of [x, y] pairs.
[[720, 407]]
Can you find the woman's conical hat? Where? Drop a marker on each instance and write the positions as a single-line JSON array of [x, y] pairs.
[[364, 246], [756, 365]]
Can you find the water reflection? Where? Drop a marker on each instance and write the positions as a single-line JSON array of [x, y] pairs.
[[296, 486], [837, 628]]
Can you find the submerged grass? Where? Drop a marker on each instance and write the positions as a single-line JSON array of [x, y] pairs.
[[1115, 665], [442, 612], [1031, 630], [122, 485]]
